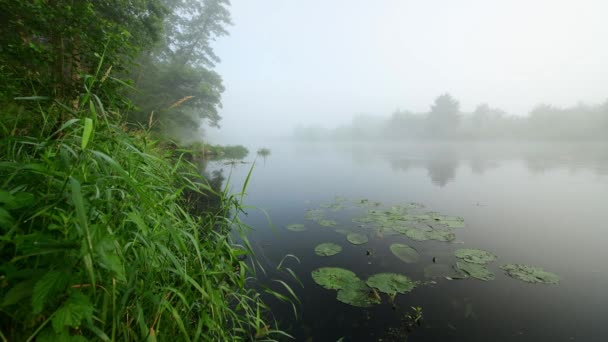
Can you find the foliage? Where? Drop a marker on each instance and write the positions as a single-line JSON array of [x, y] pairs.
[[296, 227], [357, 238], [477, 271], [98, 241], [445, 121], [175, 80], [404, 252], [333, 278], [48, 45], [358, 294], [475, 256], [263, 152], [391, 283], [327, 249], [530, 274]]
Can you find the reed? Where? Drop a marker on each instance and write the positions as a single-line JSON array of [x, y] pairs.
[[99, 242]]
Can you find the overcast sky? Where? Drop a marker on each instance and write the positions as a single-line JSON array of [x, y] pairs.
[[322, 61]]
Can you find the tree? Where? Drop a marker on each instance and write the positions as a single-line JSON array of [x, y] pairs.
[[176, 81], [46, 45], [444, 117]]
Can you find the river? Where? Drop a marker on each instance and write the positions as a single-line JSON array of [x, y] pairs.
[[541, 204]]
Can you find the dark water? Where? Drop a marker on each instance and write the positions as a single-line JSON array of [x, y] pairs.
[[538, 204]]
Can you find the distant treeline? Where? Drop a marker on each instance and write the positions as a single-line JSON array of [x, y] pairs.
[[445, 121]]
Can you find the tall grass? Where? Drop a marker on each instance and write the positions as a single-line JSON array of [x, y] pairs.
[[99, 242]]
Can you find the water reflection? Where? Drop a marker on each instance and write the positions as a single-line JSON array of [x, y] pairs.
[[442, 160]]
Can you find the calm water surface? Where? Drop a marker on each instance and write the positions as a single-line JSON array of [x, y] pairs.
[[537, 204]]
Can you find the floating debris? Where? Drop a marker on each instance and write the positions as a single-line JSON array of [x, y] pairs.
[[530, 274], [327, 249]]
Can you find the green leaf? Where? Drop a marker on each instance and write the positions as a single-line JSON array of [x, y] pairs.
[[327, 249], [77, 308], [47, 286], [87, 132], [391, 283], [18, 292]]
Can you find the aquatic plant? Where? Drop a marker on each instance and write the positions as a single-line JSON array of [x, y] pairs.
[[530, 274], [475, 256], [357, 238], [327, 249], [390, 283], [327, 223], [404, 252], [333, 278], [358, 294], [296, 227], [477, 271]]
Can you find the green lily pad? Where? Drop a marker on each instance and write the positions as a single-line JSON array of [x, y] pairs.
[[441, 235], [458, 222], [296, 227], [530, 274], [475, 256], [358, 294], [327, 249], [434, 271], [390, 283], [404, 252], [417, 235], [327, 223], [334, 278], [476, 271], [421, 235], [333, 206], [356, 238], [314, 214], [364, 219]]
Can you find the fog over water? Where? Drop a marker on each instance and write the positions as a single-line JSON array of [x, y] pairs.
[[322, 62]]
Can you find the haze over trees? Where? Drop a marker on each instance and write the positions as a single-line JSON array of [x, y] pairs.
[[446, 121], [157, 53]]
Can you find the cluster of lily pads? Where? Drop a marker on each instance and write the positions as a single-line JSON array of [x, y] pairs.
[[356, 292], [408, 220]]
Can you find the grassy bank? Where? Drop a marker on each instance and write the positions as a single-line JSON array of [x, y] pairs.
[[98, 239]]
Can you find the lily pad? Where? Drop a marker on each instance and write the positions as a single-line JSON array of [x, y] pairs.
[[530, 274], [358, 294], [434, 271], [327, 223], [417, 235], [404, 252], [421, 235], [356, 238], [296, 227], [364, 219], [441, 235], [327, 249], [475, 256], [390, 283], [334, 278], [314, 214], [476, 271]]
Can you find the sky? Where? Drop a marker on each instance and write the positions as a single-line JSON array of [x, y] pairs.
[[290, 62]]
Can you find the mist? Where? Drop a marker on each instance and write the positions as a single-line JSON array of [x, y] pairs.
[[317, 63]]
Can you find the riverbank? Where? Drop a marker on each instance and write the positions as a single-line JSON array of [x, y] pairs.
[[99, 239]]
